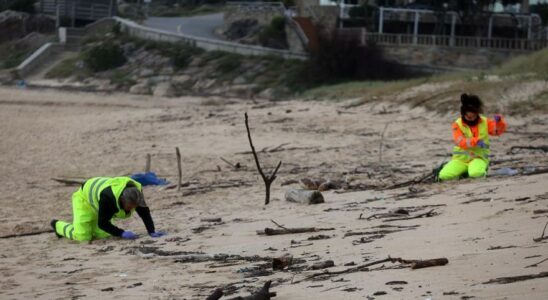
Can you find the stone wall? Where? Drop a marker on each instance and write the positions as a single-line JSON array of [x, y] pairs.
[[262, 13], [449, 57]]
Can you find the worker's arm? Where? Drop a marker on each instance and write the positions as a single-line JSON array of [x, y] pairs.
[[107, 209], [144, 213], [496, 128], [460, 140]]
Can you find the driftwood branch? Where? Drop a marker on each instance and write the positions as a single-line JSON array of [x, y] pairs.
[[272, 231], [267, 180], [511, 279], [428, 214], [382, 141], [179, 168], [542, 237], [424, 178], [413, 264], [10, 236], [69, 181], [543, 148]]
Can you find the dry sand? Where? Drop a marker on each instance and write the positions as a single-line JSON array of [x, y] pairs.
[[47, 133]]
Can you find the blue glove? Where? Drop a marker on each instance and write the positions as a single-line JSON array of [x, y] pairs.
[[481, 144], [128, 235], [497, 118], [157, 234]]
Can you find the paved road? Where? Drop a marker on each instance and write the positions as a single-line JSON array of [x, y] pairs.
[[200, 26]]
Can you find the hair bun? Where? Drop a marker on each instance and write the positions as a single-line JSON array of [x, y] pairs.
[[463, 98]]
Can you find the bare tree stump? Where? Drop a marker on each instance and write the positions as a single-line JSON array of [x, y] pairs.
[[304, 196]]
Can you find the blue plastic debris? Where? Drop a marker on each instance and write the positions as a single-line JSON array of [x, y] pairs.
[[148, 178]]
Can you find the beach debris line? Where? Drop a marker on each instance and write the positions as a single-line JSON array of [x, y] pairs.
[[263, 294], [267, 180], [413, 264]]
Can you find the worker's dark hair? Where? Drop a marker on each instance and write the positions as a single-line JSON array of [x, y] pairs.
[[470, 103]]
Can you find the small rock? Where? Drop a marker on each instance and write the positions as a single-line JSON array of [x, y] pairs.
[[140, 89], [181, 79], [323, 265], [268, 93], [380, 293], [146, 72], [167, 71], [164, 89], [239, 80], [304, 196]]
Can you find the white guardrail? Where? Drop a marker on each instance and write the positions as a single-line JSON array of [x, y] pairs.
[[136, 30], [37, 58]]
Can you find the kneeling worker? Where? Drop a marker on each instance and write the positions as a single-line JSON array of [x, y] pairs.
[[97, 201], [471, 135]]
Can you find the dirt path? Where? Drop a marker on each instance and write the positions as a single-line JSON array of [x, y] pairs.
[[485, 227]]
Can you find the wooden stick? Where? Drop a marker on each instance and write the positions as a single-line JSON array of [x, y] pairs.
[[267, 180], [542, 237], [504, 280], [69, 181], [278, 224], [271, 231], [382, 141], [426, 214], [179, 168], [9, 236], [147, 165], [227, 162]]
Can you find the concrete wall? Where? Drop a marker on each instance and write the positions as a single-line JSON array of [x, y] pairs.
[[449, 58], [37, 58], [147, 33]]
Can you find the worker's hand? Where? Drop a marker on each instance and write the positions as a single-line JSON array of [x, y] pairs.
[[497, 118], [481, 144], [157, 234], [128, 235]]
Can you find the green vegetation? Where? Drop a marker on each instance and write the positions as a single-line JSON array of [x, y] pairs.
[[274, 35], [18, 5], [534, 63], [66, 68], [104, 57], [122, 78]]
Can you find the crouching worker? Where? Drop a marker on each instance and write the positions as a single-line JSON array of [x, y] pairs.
[[99, 200], [471, 135]]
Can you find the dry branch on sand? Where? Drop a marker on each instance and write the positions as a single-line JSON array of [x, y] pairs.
[[413, 264], [267, 180]]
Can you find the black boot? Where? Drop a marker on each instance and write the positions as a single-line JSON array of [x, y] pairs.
[[53, 222]]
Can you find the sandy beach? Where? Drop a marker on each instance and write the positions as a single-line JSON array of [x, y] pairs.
[[485, 228]]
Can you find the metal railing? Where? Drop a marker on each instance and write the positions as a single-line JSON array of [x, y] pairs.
[[444, 40]]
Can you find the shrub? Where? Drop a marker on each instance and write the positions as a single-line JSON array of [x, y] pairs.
[[340, 59], [273, 36], [19, 5], [229, 63], [104, 57]]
